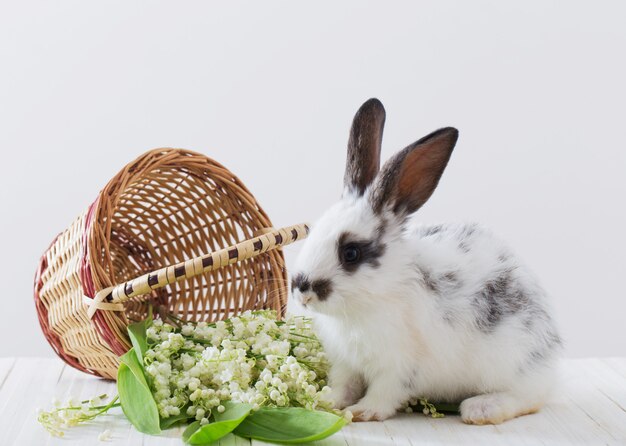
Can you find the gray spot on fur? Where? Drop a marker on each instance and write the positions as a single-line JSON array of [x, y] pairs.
[[429, 282], [553, 339], [322, 288], [465, 235], [499, 298], [448, 316], [441, 284], [534, 313], [301, 282], [464, 247], [451, 278], [537, 356], [381, 228], [550, 342], [468, 230], [430, 230], [528, 322]]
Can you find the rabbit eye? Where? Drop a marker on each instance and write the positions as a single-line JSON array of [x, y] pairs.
[[351, 254]]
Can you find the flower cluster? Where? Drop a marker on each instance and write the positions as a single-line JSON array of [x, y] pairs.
[[426, 407], [73, 413], [252, 358]]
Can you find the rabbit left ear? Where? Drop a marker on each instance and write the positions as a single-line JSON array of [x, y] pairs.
[[364, 144], [408, 179]]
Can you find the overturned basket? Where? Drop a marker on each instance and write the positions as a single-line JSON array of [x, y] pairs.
[[173, 230]]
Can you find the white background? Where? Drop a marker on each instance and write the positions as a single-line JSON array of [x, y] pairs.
[[536, 88]]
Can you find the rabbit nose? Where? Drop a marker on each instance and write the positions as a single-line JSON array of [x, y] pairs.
[[306, 298]]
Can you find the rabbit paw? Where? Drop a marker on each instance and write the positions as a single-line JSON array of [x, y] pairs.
[[485, 409], [362, 412]]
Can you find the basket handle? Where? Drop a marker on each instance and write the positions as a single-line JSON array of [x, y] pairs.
[[111, 298]]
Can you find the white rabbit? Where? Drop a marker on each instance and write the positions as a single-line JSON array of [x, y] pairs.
[[444, 312]]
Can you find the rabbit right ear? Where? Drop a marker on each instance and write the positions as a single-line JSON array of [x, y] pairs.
[[364, 144], [409, 178]]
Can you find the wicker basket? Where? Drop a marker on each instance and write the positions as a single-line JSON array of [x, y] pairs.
[[173, 230]]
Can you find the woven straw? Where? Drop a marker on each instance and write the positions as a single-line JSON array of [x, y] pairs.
[[173, 230]]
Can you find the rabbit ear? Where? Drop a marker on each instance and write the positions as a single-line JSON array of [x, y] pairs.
[[366, 136], [409, 178]]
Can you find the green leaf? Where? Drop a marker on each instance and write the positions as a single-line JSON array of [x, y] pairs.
[[191, 429], [223, 425], [290, 425], [168, 422], [138, 336], [135, 395]]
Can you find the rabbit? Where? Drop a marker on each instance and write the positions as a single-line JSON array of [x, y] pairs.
[[405, 311]]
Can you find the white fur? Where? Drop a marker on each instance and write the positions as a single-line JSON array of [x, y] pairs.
[[385, 330]]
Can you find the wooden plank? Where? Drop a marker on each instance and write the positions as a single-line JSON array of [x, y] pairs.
[[335, 440], [574, 409], [588, 409], [339, 439], [601, 406], [6, 365], [616, 364], [373, 432], [31, 382], [560, 422], [609, 381], [594, 403], [417, 429]]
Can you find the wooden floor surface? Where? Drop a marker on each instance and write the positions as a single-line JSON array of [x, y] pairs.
[[589, 407]]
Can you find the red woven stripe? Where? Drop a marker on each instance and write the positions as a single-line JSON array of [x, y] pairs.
[[86, 278]]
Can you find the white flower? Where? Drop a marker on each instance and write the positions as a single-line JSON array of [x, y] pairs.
[[274, 394], [200, 414], [70, 414], [104, 436]]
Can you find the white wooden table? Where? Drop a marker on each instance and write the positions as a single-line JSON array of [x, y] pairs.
[[589, 408]]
